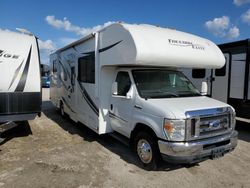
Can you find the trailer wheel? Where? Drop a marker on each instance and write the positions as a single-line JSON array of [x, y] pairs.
[[62, 110], [146, 149]]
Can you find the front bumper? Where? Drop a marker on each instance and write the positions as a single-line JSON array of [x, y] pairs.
[[199, 150]]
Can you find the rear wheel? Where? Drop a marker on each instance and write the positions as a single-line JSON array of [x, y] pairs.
[[147, 150]]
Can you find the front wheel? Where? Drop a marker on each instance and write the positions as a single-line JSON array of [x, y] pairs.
[[147, 150]]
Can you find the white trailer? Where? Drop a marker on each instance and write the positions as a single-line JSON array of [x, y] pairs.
[[123, 80], [20, 83], [229, 84]]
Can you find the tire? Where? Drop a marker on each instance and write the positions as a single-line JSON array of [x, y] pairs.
[[62, 113], [147, 151]]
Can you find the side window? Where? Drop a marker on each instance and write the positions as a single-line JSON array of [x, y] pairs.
[[198, 73], [123, 83], [221, 71], [54, 66], [86, 69]]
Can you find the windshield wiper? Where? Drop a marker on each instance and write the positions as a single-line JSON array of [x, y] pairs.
[[159, 94], [189, 94], [164, 95]]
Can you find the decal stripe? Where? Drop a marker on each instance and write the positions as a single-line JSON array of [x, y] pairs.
[[64, 69], [100, 50], [60, 78], [88, 99], [116, 117], [64, 85], [111, 46], [22, 81], [16, 73], [65, 102]]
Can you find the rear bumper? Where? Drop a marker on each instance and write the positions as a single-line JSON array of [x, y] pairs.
[[196, 151], [18, 117], [13, 103]]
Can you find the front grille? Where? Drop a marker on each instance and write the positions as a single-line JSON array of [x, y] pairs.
[[214, 124], [204, 126]]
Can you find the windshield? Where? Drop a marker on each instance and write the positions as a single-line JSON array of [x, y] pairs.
[[158, 83]]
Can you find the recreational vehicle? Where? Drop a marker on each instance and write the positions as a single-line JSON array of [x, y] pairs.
[[124, 80], [229, 84], [20, 83]]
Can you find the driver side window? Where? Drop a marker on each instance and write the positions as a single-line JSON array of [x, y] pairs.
[[123, 83]]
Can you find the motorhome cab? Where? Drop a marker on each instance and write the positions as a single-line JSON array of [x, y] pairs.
[[20, 83], [124, 80]]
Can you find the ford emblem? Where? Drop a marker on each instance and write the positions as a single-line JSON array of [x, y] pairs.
[[214, 124]]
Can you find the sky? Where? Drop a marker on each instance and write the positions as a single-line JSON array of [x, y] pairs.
[[58, 23]]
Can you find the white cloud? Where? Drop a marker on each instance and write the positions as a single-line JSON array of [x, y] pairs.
[[233, 32], [218, 26], [241, 2], [246, 17], [221, 27], [46, 45], [68, 26]]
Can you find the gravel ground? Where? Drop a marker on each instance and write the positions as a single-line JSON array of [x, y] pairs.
[[54, 152]]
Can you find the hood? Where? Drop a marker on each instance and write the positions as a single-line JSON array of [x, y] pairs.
[[175, 108]]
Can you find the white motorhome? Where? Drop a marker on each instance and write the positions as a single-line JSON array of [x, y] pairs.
[[124, 80], [229, 84], [20, 83]]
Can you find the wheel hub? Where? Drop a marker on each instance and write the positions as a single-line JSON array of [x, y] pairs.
[[144, 151]]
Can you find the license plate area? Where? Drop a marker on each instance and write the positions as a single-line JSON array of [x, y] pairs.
[[217, 153]]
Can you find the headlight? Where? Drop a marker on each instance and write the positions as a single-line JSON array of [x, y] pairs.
[[233, 120], [174, 129]]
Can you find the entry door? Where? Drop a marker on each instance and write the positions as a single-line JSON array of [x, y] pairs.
[[121, 106], [220, 81]]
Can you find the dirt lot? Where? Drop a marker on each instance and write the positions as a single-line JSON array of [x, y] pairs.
[[54, 152]]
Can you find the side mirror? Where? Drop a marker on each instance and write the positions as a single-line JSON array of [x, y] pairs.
[[114, 88], [204, 88]]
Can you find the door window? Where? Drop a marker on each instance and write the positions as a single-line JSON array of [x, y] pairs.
[[123, 83]]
